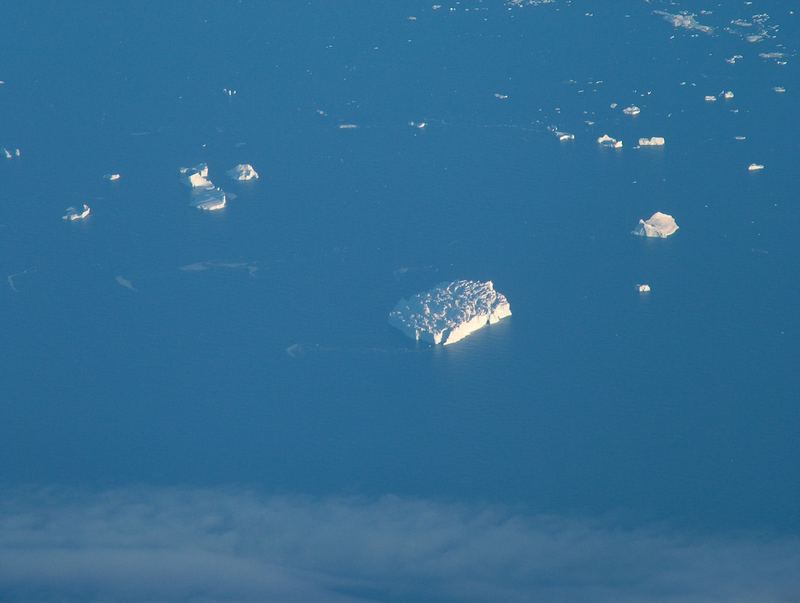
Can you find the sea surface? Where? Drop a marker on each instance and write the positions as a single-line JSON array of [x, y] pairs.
[[155, 352]]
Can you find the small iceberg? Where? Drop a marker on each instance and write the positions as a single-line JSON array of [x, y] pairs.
[[727, 94], [643, 288], [653, 141], [632, 110], [209, 200], [710, 99], [450, 311], [659, 226], [755, 167], [73, 215], [111, 177], [196, 177], [243, 171], [606, 141]]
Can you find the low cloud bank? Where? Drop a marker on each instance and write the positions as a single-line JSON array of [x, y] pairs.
[[178, 544]]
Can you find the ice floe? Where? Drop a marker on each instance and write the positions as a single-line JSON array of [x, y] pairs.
[[684, 20], [659, 225], [450, 311], [632, 110], [653, 141]]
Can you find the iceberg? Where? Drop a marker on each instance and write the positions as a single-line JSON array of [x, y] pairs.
[[727, 94], [710, 99], [606, 141], [643, 288], [653, 141], [196, 177], [74, 215], [450, 311], [209, 200], [755, 167], [658, 226], [243, 171], [111, 177], [632, 110]]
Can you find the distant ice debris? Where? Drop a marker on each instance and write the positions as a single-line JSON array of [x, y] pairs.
[[450, 311], [230, 92], [632, 110], [250, 267], [7, 154], [684, 20], [613, 105], [562, 136], [755, 167], [606, 141], [779, 89], [659, 225], [209, 199], [710, 99], [500, 96], [727, 94], [73, 215], [348, 126], [732, 60], [243, 171], [653, 141], [196, 176], [111, 177], [420, 125], [643, 288], [740, 137], [123, 282]]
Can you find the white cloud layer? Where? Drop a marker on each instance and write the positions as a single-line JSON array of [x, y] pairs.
[[178, 544]]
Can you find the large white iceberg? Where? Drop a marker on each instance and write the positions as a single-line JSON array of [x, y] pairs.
[[658, 225], [450, 311], [243, 171]]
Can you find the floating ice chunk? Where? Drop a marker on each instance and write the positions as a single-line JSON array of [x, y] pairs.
[[230, 92], [632, 110], [74, 215], [684, 20], [643, 288], [209, 200], [111, 177], [565, 136], [500, 96], [755, 167], [243, 171], [727, 94], [348, 126], [733, 59], [196, 177], [420, 125], [123, 282], [653, 141], [450, 311], [779, 89], [657, 226], [17, 152], [606, 141], [613, 106], [7, 153], [740, 137], [710, 99]]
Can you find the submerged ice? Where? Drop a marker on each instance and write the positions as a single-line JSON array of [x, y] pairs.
[[450, 311]]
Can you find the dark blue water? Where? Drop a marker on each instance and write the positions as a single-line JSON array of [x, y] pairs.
[[678, 407]]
